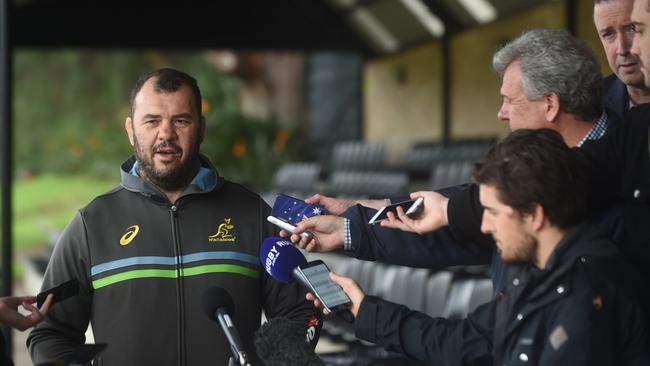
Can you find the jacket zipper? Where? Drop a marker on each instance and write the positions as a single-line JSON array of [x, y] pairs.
[[180, 304]]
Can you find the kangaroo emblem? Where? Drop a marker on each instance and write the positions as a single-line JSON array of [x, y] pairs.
[[223, 232]]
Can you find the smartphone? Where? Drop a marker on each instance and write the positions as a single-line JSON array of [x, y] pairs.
[[315, 276], [293, 210], [284, 225], [61, 292], [410, 207]]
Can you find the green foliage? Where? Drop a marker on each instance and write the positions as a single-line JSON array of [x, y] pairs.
[[70, 107], [47, 203], [247, 150]]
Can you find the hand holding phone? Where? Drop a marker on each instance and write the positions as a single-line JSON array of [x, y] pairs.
[[285, 225], [410, 207], [315, 276], [61, 292]]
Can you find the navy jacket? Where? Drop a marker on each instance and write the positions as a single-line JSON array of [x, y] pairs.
[[615, 97], [462, 243]]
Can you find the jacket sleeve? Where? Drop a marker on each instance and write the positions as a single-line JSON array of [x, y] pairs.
[[437, 249], [434, 341], [288, 300], [62, 331]]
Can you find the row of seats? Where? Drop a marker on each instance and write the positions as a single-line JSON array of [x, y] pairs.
[[358, 170], [303, 179], [451, 293]]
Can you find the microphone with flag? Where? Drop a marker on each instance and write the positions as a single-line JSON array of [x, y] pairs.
[[218, 306]]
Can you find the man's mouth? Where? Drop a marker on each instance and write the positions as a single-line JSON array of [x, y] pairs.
[[167, 152], [628, 66]]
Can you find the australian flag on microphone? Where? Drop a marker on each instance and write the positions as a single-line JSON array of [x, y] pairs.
[[294, 210]]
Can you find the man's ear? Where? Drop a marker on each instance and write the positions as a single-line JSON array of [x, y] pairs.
[[128, 126], [552, 106], [537, 217]]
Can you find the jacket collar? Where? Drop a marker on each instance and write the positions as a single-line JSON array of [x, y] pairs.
[[531, 288], [202, 183]]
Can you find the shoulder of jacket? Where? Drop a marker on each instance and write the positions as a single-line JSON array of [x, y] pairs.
[[99, 199], [237, 188]]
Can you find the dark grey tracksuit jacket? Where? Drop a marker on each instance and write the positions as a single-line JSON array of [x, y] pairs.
[[143, 265]]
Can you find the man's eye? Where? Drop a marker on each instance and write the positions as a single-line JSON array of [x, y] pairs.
[[609, 36]]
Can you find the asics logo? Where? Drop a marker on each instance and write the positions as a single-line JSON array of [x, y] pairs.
[[131, 232]]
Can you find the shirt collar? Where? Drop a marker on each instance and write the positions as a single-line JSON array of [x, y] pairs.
[[597, 130]]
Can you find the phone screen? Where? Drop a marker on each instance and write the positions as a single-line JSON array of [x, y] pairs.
[[381, 214], [330, 293]]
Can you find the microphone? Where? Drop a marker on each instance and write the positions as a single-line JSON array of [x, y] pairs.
[[279, 258], [279, 343], [217, 305]]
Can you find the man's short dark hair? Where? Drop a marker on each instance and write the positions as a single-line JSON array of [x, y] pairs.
[[536, 167], [167, 81]]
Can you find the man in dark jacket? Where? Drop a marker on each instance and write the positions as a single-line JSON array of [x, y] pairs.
[[145, 252], [569, 301], [535, 95], [625, 88]]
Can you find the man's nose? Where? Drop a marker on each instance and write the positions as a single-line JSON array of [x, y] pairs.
[[166, 131], [623, 44], [503, 114]]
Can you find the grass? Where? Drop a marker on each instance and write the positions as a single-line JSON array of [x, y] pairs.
[[43, 206]]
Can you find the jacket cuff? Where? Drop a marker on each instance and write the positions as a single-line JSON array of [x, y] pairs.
[[357, 218], [366, 321], [464, 213]]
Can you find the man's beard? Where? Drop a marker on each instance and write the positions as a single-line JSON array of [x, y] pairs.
[[525, 252], [170, 180]]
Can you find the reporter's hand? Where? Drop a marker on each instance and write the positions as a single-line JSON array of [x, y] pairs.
[[350, 287], [334, 206], [326, 233], [432, 217], [10, 316]]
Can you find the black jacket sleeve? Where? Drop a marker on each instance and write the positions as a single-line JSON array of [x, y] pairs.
[[435, 341], [62, 331], [434, 250]]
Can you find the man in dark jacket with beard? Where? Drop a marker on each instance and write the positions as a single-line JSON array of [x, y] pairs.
[[146, 252], [569, 300]]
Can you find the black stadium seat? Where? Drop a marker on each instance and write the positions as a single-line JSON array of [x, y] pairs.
[[367, 184], [297, 178], [358, 155]]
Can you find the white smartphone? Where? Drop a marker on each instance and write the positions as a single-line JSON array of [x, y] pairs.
[[410, 207], [284, 225], [315, 276]]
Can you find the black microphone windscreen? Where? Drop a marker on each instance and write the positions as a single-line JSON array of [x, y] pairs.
[[282, 342], [215, 298]]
